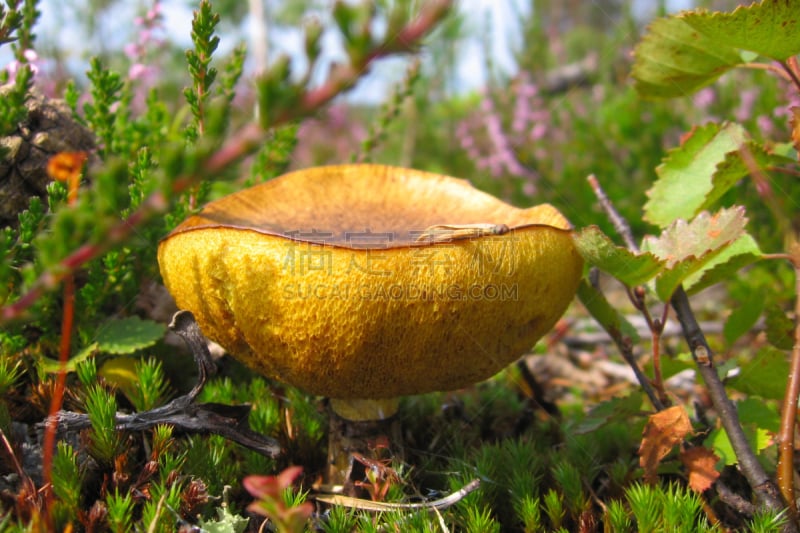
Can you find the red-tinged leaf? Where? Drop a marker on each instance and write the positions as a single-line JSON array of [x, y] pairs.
[[630, 268], [690, 248], [685, 176], [770, 28], [262, 487], [701, 464], [664, 430]]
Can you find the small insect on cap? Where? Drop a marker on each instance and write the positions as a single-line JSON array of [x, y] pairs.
[[369, 281]]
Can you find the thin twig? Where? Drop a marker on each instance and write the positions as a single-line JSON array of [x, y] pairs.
[[369, 505], [620, 224], [624, 343]]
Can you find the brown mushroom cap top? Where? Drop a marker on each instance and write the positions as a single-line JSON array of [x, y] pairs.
[[368, 281], [343, 205]]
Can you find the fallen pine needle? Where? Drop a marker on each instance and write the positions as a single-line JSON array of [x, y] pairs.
[[369, 505]]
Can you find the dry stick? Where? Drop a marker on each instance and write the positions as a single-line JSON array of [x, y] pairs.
[[184, 413], [766, 491], [762, 485], [243, 142], [785, 469]]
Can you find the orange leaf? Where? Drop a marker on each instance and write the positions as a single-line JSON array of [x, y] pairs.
[[663, 431], [701, 463], [67, 167]]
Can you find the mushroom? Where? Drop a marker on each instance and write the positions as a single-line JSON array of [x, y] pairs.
[[365, 283]]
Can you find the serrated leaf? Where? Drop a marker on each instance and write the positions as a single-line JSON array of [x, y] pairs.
[[604, 313], [129, 334], [770, 28], [730, 260], [780, 329], [690, 248], [764, 375], [630, 268], [744, 316], [685, 176], [674, 59]]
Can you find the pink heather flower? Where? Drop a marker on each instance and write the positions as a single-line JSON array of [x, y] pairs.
[[766, 126], [32, 59], [529, 189], [704, 98], [538, 131], [747, 99], [138, 70]]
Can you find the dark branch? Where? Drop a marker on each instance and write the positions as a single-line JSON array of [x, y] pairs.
[[183, 413]]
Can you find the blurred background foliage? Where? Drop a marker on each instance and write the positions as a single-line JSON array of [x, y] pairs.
[[529, 130]]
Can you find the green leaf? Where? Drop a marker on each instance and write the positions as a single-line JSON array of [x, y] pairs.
[[730, 260], [129, 334], [685, 177], [604, 313], [630, 268], [764, 375], [674, 59], [770, 28], [718, 441], [738, 164], [743, 316], [780, 328], [690, 248], [52, 366], [615, 409], [760, 422]]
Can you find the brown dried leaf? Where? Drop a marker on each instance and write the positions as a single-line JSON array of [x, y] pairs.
[[700, 462], [663, 431]]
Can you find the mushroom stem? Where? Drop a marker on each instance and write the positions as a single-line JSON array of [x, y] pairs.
[[353, 445]]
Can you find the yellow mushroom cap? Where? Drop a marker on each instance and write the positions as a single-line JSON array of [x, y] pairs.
[[369, 281]]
